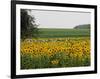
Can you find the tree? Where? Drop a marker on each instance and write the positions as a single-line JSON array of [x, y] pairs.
[[83, 26], [28, 25]]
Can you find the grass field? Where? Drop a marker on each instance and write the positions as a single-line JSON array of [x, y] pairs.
[[56, 48], [48, 33]]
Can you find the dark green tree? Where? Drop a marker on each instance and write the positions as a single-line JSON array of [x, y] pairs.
[[28, 25]]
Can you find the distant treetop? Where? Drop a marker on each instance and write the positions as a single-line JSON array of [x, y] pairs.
[[83, 26]]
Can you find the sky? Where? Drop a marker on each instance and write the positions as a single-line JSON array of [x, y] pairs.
[[60, 19]]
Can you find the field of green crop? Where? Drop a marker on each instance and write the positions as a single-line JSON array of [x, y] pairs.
[[51, 33]]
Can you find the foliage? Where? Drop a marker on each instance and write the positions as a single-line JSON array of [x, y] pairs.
[[28, 25], [84, 26]]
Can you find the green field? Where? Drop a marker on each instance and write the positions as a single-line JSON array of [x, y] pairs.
[[51, 33], [56, 48]]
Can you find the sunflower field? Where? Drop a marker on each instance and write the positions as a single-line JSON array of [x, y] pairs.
[[55, 52]]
